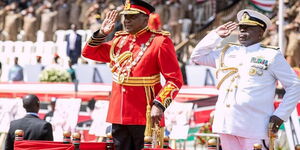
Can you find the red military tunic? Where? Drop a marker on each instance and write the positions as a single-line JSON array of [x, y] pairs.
[[157, 55]]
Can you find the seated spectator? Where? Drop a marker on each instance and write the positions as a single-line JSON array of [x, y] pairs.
[[34, 128], [39, 62], [16, 71]]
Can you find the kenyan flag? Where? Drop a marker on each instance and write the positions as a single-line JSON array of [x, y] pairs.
[[263, 5]]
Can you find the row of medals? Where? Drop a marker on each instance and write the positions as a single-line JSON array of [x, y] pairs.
[[257, 69]]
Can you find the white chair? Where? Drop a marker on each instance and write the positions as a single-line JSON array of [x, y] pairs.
[[83, 35], [60, 35], [40, 36], [18, 48], [65, 116], [9, 51], [62, 51], [2, 53], [1, 47], [38, 48], [29, 53], [68, 31], [200, 75], [49, 49]]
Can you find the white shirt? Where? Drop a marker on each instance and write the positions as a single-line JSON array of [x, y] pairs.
[[72, 41], [245, 109]]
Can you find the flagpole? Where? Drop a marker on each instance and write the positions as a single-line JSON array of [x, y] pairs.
[[281, 39]]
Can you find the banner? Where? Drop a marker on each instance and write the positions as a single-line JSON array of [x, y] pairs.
[[65, 117], [263, 5], [99, 125], [177, 118], [10, 109]]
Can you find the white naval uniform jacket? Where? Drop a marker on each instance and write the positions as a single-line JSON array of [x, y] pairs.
[[246, 99]]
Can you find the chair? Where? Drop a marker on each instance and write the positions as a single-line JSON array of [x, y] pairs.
[[18, 46], [2, 53], [61, 49], [83, 35], [40, 36], [38, 48], [49, 49], [28, 52], [18, 51], [9, 51], [60, 35]]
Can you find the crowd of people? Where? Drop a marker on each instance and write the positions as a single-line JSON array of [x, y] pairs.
[[49, 16], [291, 32]]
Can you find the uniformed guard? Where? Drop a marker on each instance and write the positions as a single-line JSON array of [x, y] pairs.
[[137, 56], [247, 74]]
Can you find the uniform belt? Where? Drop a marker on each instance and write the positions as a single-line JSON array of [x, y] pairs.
[[136, 81]]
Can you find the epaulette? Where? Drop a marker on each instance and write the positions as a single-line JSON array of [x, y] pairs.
[[229, 44], [268, 46], [120, 33], [161, 32]]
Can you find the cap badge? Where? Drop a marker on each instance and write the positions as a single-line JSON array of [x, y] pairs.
[[127, 5], [245, 17]]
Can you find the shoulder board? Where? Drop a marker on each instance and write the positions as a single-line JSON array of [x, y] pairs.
[[120, 33], [161, 32], [236, 44], [272, 47]]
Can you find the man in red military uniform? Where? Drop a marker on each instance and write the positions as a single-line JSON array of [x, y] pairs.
[[137, 57]]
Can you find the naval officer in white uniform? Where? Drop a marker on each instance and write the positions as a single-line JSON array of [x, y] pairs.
[[247, 76]]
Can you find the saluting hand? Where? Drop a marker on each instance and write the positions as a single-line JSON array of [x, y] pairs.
[[226, 29], [109, 22]]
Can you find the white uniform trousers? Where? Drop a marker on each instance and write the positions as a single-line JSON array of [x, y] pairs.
[[231, 142]]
